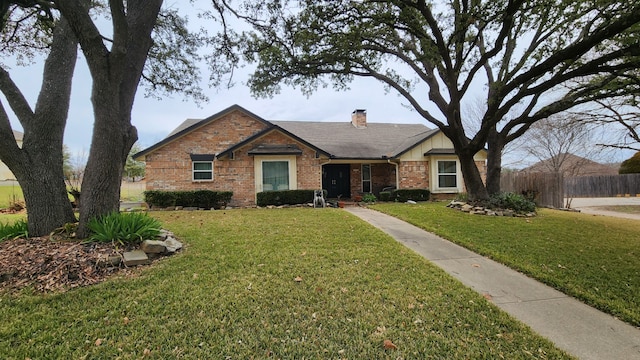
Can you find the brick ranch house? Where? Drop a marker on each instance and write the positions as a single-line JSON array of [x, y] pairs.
[[236, 150]]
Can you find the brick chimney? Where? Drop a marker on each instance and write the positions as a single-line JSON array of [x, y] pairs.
[[359, 118]]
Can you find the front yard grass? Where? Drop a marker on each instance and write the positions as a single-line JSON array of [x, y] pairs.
[[282, 284], [593, 258]]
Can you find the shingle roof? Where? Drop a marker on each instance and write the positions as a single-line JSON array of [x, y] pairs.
[[343, 140], [335, 139]]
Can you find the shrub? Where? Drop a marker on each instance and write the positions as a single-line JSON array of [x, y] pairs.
[[285, 197], [205, 199], [124, 228], [631, 165], [385, 195], [15, 230], [515, 202], [369, 198], [403, 195]]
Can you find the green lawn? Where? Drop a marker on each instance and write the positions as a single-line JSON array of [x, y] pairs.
[[232, 293], [593, 258], [9, 194], [129, 191]]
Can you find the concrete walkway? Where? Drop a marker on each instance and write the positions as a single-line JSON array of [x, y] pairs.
[[573, 326]]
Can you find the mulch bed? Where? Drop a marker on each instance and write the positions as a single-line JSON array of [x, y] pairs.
[[55, 266]]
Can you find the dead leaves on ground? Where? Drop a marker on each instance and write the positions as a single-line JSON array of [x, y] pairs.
[[49, 265]]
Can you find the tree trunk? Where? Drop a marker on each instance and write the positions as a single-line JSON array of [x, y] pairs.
[[116, 72], [494, 161], [111, 142], [38, 165], [45, 195], [476, 189]]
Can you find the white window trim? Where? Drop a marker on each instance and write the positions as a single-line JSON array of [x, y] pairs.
[[435, 188], [257, 169], [194, 171]]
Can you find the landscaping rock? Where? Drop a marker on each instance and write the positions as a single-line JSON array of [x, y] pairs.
[[172, 245], [164, 234], [411, 202], [134, 258], [153, 247]]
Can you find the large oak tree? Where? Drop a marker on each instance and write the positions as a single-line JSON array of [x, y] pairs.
[[37, 165], [529, 59], [143, 43]]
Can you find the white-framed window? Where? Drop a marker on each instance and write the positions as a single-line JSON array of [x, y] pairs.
[[366, 178], [202, 170], [275, 175], [447, 174], [275, 172]]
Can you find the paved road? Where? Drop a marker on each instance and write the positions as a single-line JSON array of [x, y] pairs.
[[573, 326], [590, 206]]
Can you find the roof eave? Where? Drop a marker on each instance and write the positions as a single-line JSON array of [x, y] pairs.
[[197, 125]]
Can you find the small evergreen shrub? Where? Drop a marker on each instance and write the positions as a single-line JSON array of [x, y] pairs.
[[285, 197], [385, 195], [124, 228], [369, 198], [403, 195], [515, 202], [15, 230], [205, 199]]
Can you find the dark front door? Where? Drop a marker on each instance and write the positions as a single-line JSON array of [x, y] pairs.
[[335, 179]]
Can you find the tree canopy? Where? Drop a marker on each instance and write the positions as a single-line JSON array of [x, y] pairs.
[[528, 60], [631, 165]]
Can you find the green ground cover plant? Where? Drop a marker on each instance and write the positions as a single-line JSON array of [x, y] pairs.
[[12, 229], [260, 283], [124, 227], [593, 258]]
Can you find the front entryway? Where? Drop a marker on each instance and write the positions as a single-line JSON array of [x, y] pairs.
[[336, 180]]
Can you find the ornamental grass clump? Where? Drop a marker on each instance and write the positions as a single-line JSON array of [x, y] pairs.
[[15, 230], [125, 228]]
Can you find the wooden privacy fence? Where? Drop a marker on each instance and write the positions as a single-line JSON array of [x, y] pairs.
[[546, 189], [603, 185]]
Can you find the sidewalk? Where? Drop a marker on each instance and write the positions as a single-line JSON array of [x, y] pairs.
[[573, 326]]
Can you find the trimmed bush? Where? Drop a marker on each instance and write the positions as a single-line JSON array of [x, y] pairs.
[[515, 202], [124, 228], [15, 230], [205, 199], [385, 196], [285, 197], [403, 195]]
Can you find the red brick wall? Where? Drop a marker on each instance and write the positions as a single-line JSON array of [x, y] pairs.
[[382, 175], [413, 175], [170, 167]]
